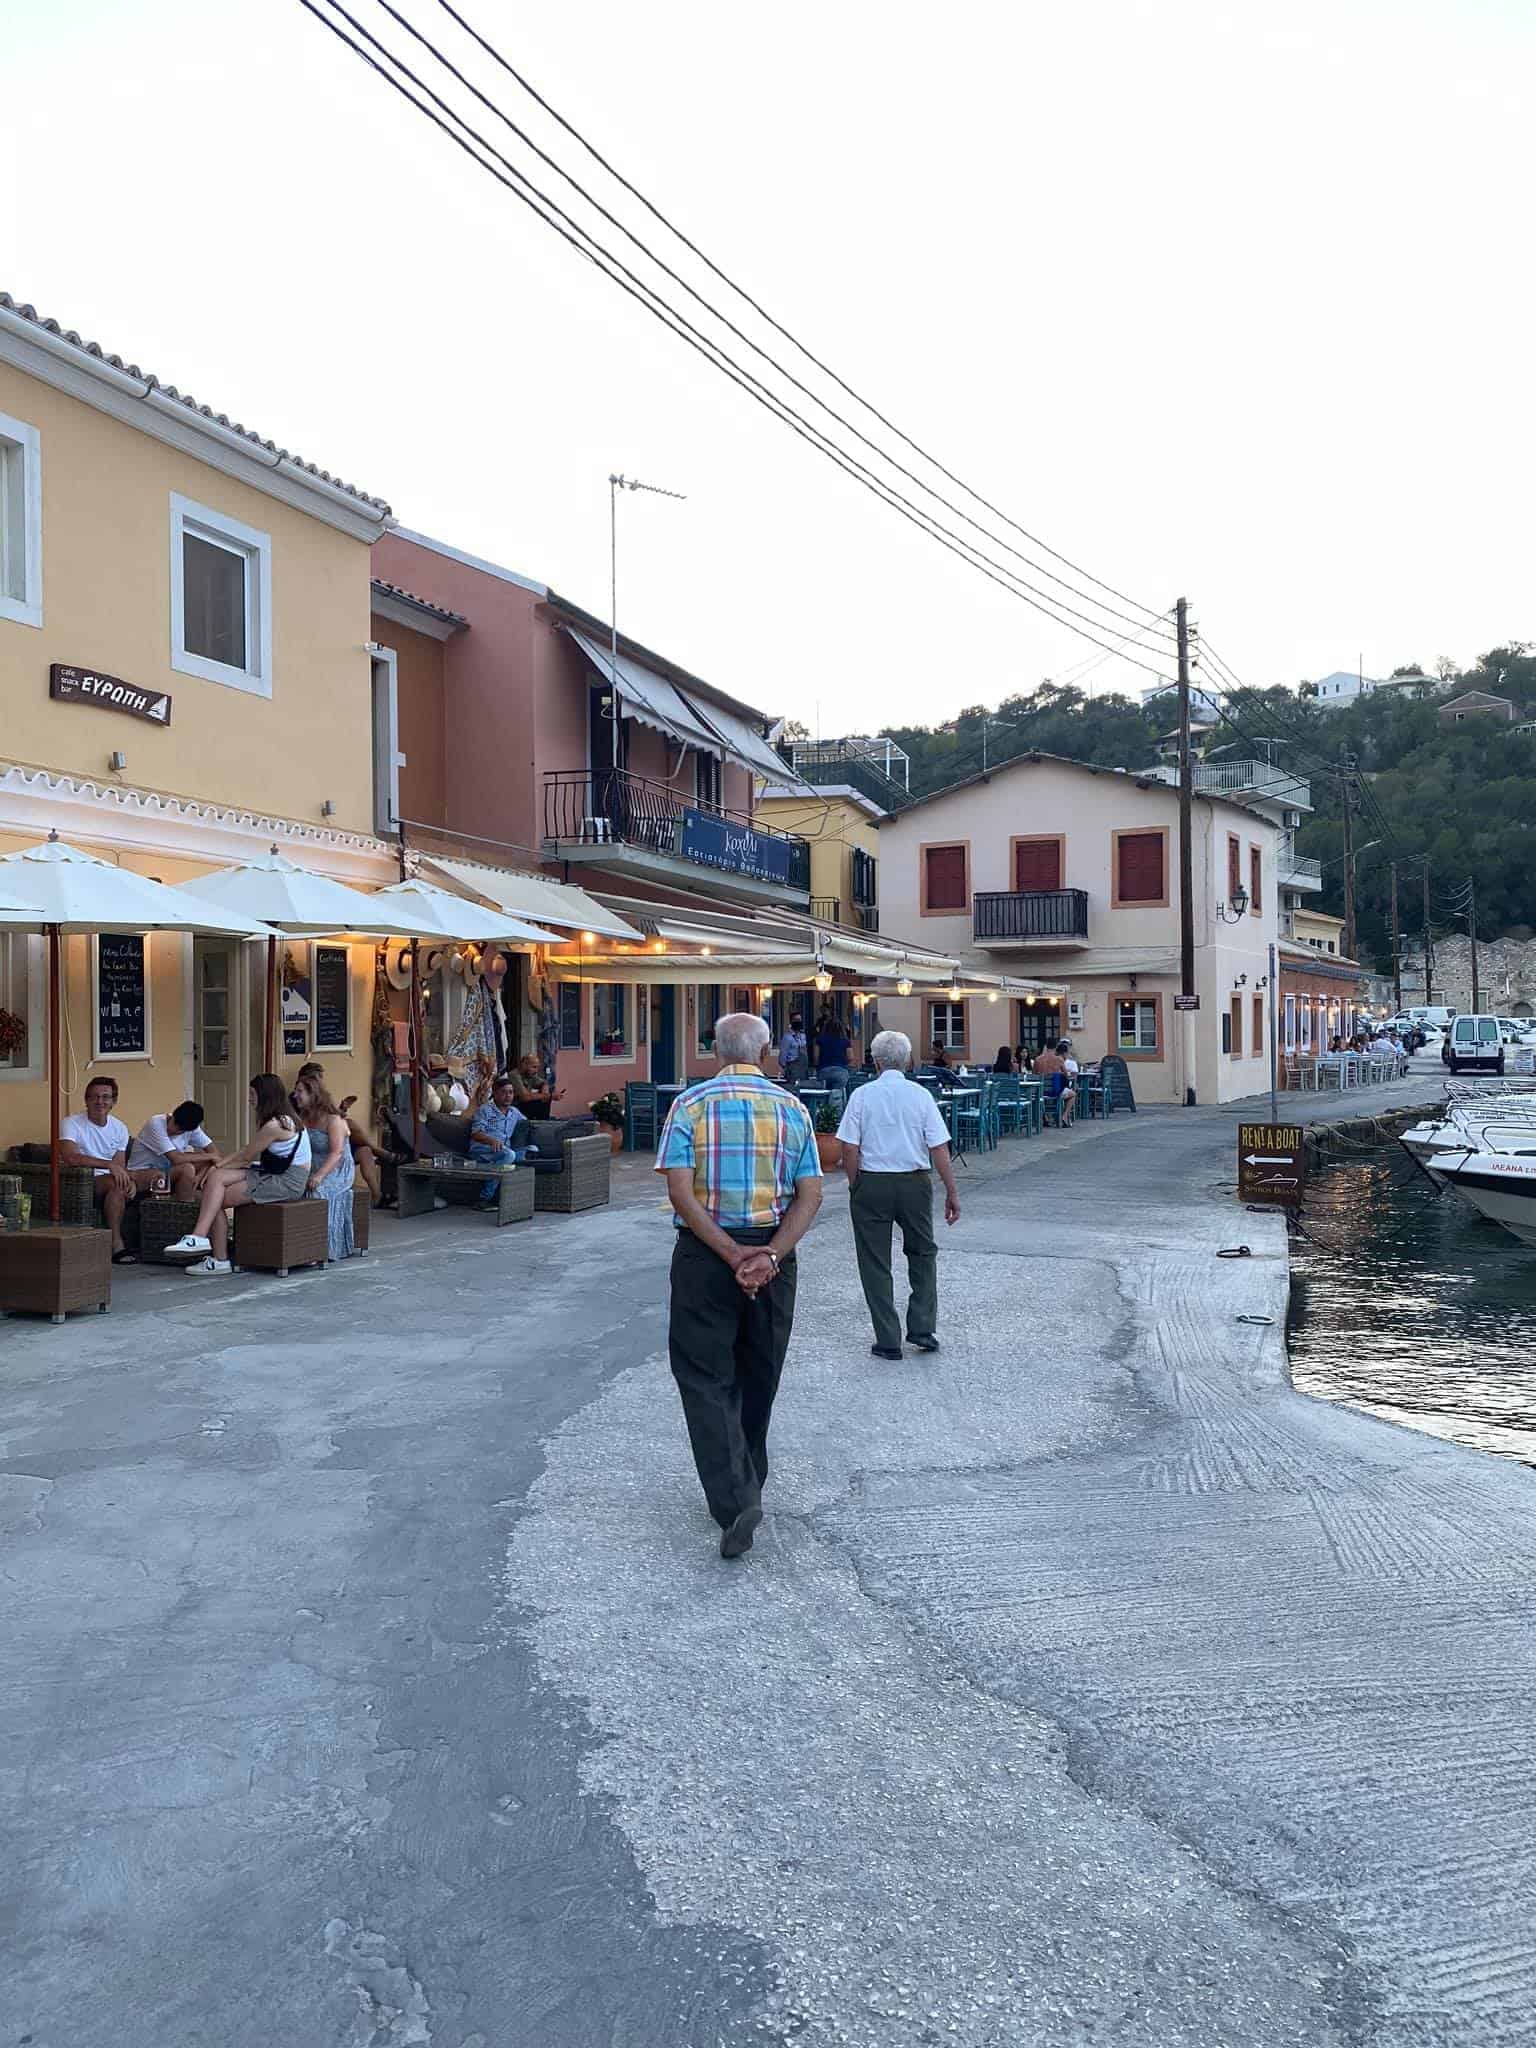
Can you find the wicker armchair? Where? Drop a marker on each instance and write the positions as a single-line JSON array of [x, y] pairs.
[[77, 1200], [582, 1181]]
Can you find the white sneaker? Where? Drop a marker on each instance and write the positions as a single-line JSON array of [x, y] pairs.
[[208, 1267], [189, 1247]]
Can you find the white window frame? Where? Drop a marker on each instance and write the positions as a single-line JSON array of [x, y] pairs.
[[27, 953], [948, 1040], [1140, 1003], [1290, 1024], [631, 1007], [203, 523], [26, 447], [387, 757], [99, 1057]]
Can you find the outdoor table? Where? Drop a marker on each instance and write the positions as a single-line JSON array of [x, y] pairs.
[[950, 1102], [815, 1094], [1092, 1091], [514, 1197]]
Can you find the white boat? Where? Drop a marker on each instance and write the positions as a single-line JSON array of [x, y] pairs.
[[1501, 1185], [1503, 1118]]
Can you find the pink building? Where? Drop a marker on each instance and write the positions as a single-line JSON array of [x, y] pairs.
[[504, 738]]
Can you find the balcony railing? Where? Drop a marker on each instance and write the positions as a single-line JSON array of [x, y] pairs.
[[611, 807], [1030, 914], [1244, 778], [859, 917], [1300, 872], [824, 909]]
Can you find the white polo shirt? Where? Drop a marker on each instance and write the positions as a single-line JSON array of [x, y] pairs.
[[895, 1124]]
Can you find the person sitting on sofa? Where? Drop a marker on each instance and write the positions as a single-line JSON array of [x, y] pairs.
[[175, 1150], [100, 1141], [531, 1089], [498, 1135]]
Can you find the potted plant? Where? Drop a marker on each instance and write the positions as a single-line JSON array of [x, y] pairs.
[[829, 1147], [609, 1111]]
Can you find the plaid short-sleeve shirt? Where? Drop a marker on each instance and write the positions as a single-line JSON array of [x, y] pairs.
[[748, 1142]]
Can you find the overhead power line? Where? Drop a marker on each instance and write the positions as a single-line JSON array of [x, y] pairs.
[[553, 216], [778, 327]]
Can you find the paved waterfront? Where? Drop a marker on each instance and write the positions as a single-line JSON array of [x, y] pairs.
[[373, 1679]]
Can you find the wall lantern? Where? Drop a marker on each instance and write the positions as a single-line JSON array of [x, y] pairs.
[[954, 992], [821, 981], [1239, 906], [904, 987]]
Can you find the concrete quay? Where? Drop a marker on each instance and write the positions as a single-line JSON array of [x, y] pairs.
[[372, 1677]]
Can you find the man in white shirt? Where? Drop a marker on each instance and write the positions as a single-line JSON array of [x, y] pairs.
[[893, 1140], [173, 1148], [98, 1140]]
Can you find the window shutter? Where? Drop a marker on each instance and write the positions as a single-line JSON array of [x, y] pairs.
[[1140, 857], [946, 877], [1258, 1026], [1237, 1027], [1234, 867], [1256, 882], [1037, 864]]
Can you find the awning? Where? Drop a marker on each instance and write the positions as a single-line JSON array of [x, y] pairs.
[[537, 899], [747, 745], [649, 697]]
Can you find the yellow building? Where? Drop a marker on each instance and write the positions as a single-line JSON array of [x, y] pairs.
[[187, 680], [1315, 928], [841, 824]]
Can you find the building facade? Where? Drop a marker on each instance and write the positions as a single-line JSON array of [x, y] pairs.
[[1321, 998], [184, 664], [839, 824], [1055, 868]]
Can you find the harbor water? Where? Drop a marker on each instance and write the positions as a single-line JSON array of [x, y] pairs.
[[1408, 1304]]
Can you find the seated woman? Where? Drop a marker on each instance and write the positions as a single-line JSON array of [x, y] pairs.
[[273, 1167], [331, 1170], [531, 1090], [1004, 1063], [365, 1156]]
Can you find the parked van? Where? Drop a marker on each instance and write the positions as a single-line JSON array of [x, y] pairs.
[[1432, 1016], [1474, 1044]]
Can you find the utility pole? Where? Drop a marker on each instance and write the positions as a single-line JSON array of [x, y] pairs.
[[1346, 789], [1429, 952], [1397, 952], [1472, 930], [1186, 861]]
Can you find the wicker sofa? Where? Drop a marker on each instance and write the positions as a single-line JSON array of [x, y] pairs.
[[77, 1201], [571, 1159]]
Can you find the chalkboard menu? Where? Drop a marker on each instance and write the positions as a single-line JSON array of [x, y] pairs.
[[122, 996], [1116, 1076], [333, 999], [570, 1016]]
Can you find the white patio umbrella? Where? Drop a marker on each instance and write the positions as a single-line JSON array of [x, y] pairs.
[[66, 890]]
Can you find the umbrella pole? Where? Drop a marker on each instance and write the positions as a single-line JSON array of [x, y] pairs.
[[415, 1037], [54, 1062], [271, 1040]]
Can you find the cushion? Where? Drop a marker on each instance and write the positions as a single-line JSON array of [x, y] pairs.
[[548, 1135], [451, 1132], [31, 1155]]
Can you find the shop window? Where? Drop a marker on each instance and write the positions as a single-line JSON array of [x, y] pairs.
[[569, 1004], [711, 1007], [946, 1026], [1141, 868], [946, 878], [21, 523], [612, 1021], [221, 598], [1137, 1022]]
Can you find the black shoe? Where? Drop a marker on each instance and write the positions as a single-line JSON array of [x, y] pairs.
[[739, 1535], [883, 1351], [924, 1343]]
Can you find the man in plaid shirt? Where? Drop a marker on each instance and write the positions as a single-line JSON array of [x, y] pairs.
[[739, 1154]]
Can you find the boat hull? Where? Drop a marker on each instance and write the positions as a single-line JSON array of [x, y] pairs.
[[1504, 1191]]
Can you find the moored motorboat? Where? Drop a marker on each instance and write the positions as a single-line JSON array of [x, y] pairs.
[[1501, 1185]]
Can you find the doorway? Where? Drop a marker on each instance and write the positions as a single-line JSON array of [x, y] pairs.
[[664, 1034], [1038, 1025], [218, 1039]]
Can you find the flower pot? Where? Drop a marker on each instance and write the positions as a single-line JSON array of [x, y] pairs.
[[829, 1150], [615, 1138]]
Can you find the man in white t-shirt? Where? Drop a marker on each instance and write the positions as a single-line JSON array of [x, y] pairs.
[[98, 1140], [174, 1148], [893, 1140]]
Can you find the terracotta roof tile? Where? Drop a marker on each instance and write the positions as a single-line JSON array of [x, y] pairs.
[[93, 348], [422, 603]]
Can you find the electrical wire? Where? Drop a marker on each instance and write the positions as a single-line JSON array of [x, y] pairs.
[[636, 288], [746, 297], [731, 327]]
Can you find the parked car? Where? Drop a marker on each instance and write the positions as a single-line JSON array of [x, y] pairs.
[[1474, 1045]]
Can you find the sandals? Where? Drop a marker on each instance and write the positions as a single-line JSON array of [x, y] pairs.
[[125, 1258]]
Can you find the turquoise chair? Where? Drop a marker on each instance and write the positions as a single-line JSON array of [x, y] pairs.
[[1012, 1112], [642, 1117]]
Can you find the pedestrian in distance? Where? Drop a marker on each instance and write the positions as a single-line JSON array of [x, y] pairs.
[[894, 1140], [832, 1052], [744, 1181], [794, 1054]]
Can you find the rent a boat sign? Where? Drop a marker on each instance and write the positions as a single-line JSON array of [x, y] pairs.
[[1271, 1163]]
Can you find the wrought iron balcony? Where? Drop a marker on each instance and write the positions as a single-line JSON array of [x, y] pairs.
[[1022, 917], [588, 811], [859, 917]]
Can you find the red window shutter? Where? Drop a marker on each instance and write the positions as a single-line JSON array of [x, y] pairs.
[[1258, 1026], [1037, 864], [946, 877], [1237, 1027], [1140, 860], [1234, 867], [1256, 883]]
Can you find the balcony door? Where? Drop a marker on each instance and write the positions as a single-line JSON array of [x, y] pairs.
[[1036, 864]]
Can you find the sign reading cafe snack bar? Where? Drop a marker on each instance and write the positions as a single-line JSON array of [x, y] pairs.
[[716, 842], [109, 693]]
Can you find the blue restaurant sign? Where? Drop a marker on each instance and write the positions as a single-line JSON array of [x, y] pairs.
[[716, 842]]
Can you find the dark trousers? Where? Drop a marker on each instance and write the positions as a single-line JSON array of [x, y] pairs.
[[878, 1203], [727, 1351]]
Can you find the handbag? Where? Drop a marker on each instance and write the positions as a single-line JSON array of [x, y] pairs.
[[272, 1161]]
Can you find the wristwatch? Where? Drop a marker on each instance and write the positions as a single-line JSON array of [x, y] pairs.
[[773, 1255]]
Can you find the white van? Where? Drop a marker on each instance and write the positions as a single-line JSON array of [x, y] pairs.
[[1474, 1044], [1432, 1016]]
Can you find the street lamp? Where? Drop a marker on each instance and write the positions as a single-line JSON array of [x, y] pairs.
[[1239, 906]]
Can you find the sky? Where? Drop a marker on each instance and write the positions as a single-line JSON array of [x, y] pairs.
[[1226, 302]]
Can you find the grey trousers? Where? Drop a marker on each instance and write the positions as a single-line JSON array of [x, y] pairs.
[[879, 1202]]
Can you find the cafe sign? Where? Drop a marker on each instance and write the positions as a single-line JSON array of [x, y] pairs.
[[716, 842], [109, 693]]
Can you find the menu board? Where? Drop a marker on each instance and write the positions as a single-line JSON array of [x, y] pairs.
[[570, 1016], [122, 996], [332, 999]]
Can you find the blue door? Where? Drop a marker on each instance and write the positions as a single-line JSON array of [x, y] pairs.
[[664, 1034]]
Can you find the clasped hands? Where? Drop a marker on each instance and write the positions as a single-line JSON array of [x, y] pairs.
[[754, 1268]]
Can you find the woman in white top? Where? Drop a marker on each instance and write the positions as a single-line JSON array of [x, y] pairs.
[[273, 1167]]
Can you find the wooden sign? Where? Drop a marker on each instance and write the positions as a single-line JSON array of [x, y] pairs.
[[108, 693], [122, 1003], [1271, 1163]]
